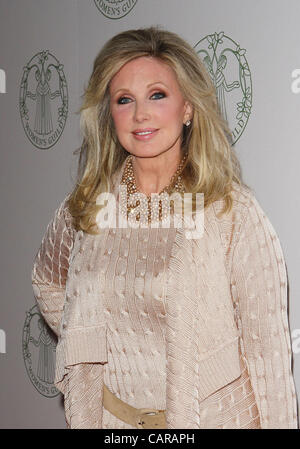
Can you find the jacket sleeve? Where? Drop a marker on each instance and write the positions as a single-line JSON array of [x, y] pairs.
[[83, 400], [83, 386], [259, 288], [50, 268]]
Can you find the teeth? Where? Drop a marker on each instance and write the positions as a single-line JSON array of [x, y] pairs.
[[144, 133]]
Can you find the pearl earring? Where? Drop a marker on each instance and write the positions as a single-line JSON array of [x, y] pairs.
[[188, 123]]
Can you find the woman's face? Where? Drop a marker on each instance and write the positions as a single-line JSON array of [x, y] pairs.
[[148, 108]]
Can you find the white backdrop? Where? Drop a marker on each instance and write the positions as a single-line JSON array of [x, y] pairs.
[[37, 173]]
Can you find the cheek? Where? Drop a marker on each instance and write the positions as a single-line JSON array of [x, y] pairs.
[[120, 118], [172, 116]]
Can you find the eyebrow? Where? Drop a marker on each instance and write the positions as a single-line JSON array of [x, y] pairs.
[[148, 85]]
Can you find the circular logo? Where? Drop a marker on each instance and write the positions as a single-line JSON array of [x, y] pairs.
[[227, 65], [39, 346], [43, 100], [115, 9]]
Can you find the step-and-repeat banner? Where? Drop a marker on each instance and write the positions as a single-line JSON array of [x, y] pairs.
[[47, 48]]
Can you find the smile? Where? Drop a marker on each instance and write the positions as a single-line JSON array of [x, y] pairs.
[[144, 134]]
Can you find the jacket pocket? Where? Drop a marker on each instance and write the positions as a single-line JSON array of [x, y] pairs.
[[220, 368]]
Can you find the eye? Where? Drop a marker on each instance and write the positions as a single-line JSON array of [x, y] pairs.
[[158, 95], [122, 100]]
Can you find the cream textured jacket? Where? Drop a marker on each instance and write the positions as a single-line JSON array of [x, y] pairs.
[[225, 315]]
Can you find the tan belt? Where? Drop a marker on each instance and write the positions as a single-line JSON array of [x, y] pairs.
[[142, 418]]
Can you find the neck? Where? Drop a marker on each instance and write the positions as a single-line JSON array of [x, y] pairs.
[[153, 174]]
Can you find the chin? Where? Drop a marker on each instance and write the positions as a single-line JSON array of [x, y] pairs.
[[146, 153]]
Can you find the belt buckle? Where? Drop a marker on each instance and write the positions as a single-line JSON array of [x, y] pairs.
[[141, 419]]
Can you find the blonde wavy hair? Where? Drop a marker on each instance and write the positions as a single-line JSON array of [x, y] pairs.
[[211, 166]]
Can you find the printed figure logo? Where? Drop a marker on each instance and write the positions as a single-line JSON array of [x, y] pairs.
[[43, 100], [115, 9], [227, 65], [39, 346]]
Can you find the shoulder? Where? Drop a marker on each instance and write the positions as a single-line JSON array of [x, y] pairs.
[[63, 213], [241, 194], [246, 202], [243, 198], [231, 224]]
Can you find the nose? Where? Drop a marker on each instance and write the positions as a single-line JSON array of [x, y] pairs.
[[141, 112]]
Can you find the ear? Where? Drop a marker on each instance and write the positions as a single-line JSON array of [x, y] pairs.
[[188, 111]]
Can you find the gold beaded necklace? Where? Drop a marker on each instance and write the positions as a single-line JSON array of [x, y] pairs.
[[128, 179]]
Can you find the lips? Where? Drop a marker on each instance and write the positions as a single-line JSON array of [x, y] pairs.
[[144, 131], [145, 134]]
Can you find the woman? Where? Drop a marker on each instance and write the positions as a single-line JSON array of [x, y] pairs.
[[149, 317]]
